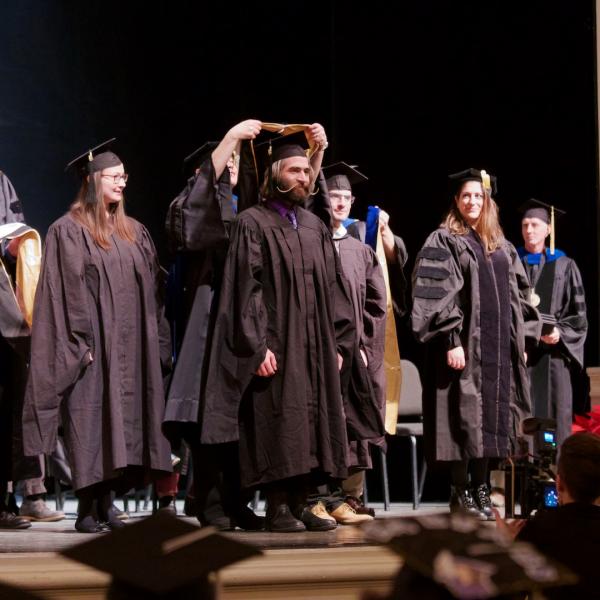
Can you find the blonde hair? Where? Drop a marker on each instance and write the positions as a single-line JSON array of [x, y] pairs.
[[92, 215], [487, 227]]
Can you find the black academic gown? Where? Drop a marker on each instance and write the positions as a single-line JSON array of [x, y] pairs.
[[367, 388], [476, 412], [198, 224], [14, 352], [397, 278], [560, 289], [100, 344], [282, 290]]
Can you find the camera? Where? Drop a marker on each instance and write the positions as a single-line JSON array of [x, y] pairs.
[[530, 478]]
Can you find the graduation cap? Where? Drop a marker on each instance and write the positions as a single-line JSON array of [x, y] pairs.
[[489, 182], [91, 161], [161, 557], [535, 209], [192, 161], [276, 149], [14, 593], [341, 176], [470, 560]]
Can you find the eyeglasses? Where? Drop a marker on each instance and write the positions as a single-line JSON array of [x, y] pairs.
[[118, 177], [340, 198]]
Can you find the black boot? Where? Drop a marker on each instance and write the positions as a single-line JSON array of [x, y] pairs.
[[106, 513], [280, 518], [482, 496], [245, 518], [461, 500], [87, 518], [167, 504]]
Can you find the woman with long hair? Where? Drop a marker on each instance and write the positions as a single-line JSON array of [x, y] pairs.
[[470, 307], [99, 345]]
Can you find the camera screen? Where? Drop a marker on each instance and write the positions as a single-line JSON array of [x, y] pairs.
[[549, 437], [550, 496]]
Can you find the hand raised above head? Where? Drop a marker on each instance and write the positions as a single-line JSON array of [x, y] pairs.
[[245, 130], [316, 136]]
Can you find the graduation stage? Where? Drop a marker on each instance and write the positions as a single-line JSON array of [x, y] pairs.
[[338, 564]]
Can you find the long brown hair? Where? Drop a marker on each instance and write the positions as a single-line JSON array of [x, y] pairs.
[[94, 218], [487, 227]]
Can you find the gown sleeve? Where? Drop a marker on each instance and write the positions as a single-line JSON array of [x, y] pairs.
[[437, 283], [572, 322], [532, 324], [159, 276], [398, 283], [241, 328], [61, 340], [11, 210], [374, 310], [194, 218]]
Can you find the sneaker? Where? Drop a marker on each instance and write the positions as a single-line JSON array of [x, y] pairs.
[[461, 500], [482, 495], [359, 506], [320, 511], [37, 510], [344, 514]]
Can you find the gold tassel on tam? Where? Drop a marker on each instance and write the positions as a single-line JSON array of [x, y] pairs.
[[391, 356], [486, 181]]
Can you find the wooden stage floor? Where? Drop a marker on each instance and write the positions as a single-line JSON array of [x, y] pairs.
[[339, 564]]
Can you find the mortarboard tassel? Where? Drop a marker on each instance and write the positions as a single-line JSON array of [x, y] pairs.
[[486, 181], [90, 195], [270, 178]]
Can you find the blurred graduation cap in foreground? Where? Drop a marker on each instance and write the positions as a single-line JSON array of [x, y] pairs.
[[161, 557], [9, 592], [456, 556]]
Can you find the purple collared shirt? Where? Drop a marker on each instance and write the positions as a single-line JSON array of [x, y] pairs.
[[284, 211]]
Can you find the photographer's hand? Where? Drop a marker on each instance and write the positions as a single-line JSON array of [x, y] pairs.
[[510, 528]]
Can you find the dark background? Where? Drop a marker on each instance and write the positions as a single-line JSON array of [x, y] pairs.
[[408, 91]]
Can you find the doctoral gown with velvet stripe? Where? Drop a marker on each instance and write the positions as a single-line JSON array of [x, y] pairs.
[[475, 412], [559, 286]]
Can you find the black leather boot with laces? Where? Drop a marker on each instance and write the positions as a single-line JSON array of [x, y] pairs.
[[461, 500], [482, 497]]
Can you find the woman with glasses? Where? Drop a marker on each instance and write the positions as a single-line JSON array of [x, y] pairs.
[[470, 306], [99, 345]]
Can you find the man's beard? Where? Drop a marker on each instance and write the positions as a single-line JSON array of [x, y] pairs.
[[299, 194]]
